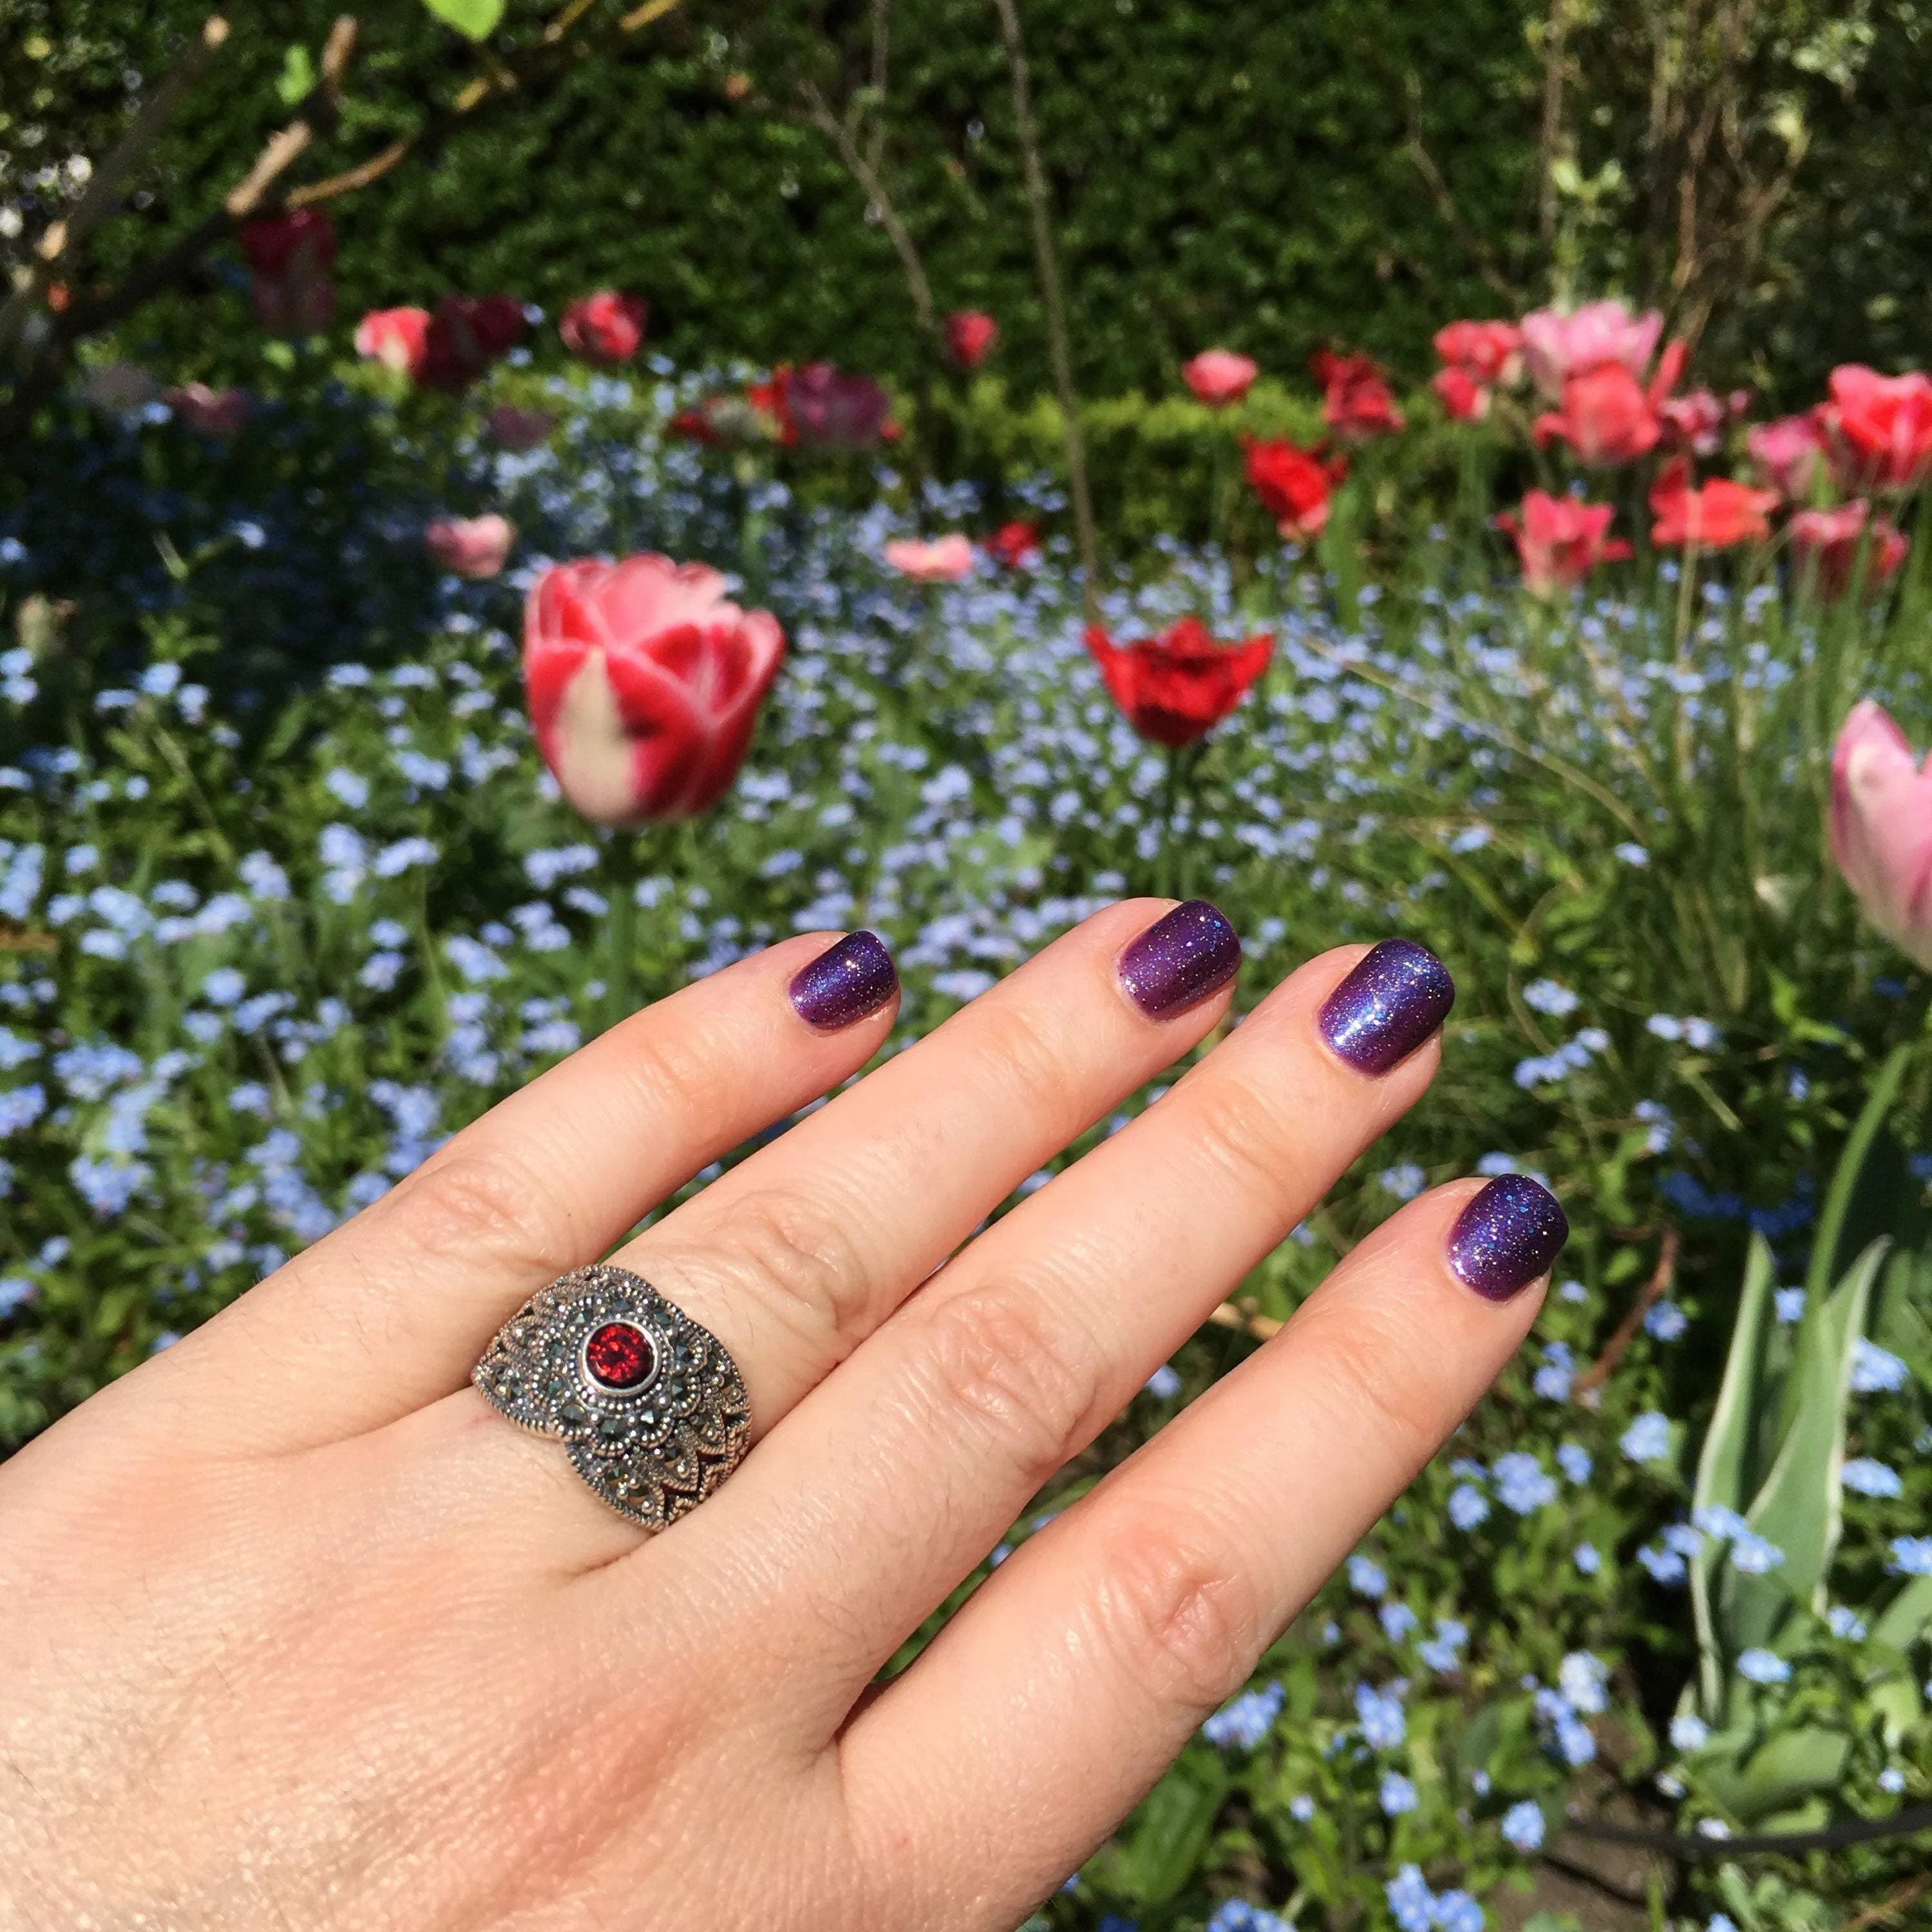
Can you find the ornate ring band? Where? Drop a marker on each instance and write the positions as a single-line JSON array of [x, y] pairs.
[[648, 1403]]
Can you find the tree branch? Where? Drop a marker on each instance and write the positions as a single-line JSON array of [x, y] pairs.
[[1662, 1275], [66, 237], [862, 171], [1059, 347], [1477, 249]]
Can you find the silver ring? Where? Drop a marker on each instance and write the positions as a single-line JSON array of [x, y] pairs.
[[648, 1403]]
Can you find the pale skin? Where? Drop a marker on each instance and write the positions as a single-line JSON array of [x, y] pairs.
[[296, 1631]]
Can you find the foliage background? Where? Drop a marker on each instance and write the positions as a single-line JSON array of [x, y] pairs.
[[1239, 173]]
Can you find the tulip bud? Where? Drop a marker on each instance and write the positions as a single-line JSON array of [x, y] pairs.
[[644, 684], [472, 547], [1882, 828]]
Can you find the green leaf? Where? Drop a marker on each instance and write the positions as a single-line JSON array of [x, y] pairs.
[[1908, 1616], [1800, 1506], [1161, 1846], [297, 80], [477, 19], [1785, 1770], [1827, 1263], [1725, 1476]]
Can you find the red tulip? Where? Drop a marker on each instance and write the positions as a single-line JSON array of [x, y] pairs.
[[1606, 417], [1488, 353], [1882, 828], [1177, 687], [1219, 376], [1824, 546], [473, 546], [1720, 514], [604, 328], [969, 335], [945, 560], [289, 257], [1293, 485], [466, 334], [1885, 423], [1356, 403], [644, 684], [509, 427], [1693, 422], [1559, 540], [1013, 544], [1601, 334], [1464, 399], [1786, 454], [396, 337]]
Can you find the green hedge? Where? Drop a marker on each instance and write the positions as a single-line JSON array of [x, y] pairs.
[[1231, 172]]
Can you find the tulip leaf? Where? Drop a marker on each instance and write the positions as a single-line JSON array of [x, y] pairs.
[[1800, 1507], [1788, 1768], [1725, 1476], [1907, 1617], [1828, 1262], [476, 18]]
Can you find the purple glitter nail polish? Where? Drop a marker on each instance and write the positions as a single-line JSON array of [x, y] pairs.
[[1182, 958], [1398, 994], [845, 982], [1507, 1236]]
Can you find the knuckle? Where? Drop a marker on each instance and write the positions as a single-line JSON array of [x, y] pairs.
[[1247, 1136], [1180, 1618], [466, 1203], [1028, 1048], [1380, 1374], [796, 1255], [999, 1360]]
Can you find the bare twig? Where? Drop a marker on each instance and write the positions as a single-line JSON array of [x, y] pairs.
[[1059, 347], [320, 111], [1550, 140], [1262, 1327], [882, 20], [866, 174], [1893, 1905], [1700, 1850], [1473, 244], [1661, 1276], [66, 237]]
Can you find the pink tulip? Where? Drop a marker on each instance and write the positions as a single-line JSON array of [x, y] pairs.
[[605, 328], [1559, 540], [1693, 422], [396, 337], [944, 560], [509, 427], [1882, 828], [472, 547], [1606, 418], [1824, 546], [1598, 335], [644, 684], [213, 411], [1219, 376], [1464, 399], [1785, 455]]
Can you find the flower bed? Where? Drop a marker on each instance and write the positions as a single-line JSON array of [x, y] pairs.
[[275, 924]]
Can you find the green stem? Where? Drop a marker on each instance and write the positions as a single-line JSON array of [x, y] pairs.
[[620, 932]]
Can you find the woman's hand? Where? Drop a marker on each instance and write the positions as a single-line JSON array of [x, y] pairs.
[[296, 1631]]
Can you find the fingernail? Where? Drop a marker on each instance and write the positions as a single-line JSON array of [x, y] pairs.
[[1183, 956], [1507, 1236], [845, 982], [1398, 994]]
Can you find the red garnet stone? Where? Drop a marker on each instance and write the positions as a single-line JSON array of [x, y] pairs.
[[619, 1355]]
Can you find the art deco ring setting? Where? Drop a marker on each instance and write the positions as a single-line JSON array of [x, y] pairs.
[[648, 1403]]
